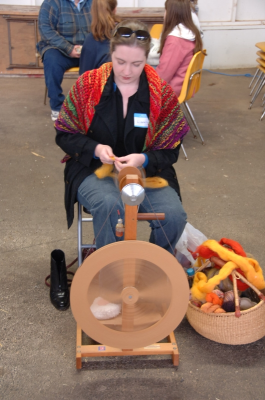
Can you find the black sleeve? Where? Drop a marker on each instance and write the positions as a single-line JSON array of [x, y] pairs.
[[80, 147], [159, 160]]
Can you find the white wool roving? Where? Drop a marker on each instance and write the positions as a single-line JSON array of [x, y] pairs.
[[102, 309]]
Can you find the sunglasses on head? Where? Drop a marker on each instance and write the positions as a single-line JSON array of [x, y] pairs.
[[127, 33]]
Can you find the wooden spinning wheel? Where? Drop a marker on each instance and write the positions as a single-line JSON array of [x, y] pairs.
[[144, 280]]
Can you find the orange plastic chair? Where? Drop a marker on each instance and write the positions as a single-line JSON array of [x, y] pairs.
[[156, 31], [73, 70], [190, 87]]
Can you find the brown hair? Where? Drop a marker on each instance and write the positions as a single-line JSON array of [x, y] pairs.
[[103, 18], [131, 41], [179, 12]]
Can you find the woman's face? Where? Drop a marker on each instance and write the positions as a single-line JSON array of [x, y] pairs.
[[128, 63]]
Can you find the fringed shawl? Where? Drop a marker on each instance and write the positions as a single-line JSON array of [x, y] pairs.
[[167, 125]]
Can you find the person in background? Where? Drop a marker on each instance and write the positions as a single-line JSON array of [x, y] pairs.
[[96, 48], [63, 27], [180, 40]]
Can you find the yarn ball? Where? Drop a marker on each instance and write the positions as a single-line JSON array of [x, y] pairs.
[[212, 308], [229, 306], [226, 285], [229, 296], [209, 307], [229, 301], [249, 293], [213, 298], [102, 309], [219, 293], [196, 303], [219, 310], [246, 303]]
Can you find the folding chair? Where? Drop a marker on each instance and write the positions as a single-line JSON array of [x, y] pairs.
[[190, 87]]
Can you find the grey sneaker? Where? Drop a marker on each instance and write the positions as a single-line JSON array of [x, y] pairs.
[[54, 115]]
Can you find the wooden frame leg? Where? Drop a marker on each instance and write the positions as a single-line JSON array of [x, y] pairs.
[[175, 355], [78, 347]]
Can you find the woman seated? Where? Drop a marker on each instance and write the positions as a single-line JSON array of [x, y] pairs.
[[123, 114], [180, 40], [95, 50]]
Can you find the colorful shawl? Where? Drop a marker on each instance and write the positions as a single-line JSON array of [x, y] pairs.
[[167, 125]]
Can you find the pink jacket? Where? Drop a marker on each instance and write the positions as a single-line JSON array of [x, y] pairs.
[[174, 61]]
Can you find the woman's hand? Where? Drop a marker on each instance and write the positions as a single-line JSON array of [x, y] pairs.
[[104, 153], [132, 160]]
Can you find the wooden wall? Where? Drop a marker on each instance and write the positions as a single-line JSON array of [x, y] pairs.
[[24, 34]]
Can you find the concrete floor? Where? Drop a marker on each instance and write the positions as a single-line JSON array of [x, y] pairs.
[[222, 193]]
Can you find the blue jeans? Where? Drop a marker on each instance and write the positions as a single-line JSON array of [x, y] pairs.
[[102, 198], [55, 64]]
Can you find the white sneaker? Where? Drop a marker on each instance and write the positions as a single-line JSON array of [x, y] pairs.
[[54, 115]]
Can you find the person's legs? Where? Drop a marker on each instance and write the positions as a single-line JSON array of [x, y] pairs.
[[102, 198], [55, 64], [165, 200]]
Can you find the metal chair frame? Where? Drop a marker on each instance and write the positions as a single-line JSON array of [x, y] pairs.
[[185, 103], [258, 77], [189, 116], [259, 88], [80, 244]]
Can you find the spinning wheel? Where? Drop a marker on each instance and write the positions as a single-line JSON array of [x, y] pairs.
[[142, 280]]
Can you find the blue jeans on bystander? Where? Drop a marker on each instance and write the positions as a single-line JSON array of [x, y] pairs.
[[55, 64]]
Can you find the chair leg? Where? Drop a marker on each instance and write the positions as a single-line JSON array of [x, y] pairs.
[[257, 92], [262, 115], [185, 154], [263, 101], [45, 95], [193, 120], [257, 81], [189, 120], [253, 78], [79, 234]]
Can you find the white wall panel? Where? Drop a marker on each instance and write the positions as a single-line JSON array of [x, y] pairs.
[[215, 10], [248, 10], [126, 3], [231, 48], [151, 3], [18, 2]]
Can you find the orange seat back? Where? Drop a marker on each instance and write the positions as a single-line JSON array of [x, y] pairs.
[[192, 80], [156, 31]]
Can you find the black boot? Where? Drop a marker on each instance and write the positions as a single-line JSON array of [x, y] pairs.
[[59, 292]]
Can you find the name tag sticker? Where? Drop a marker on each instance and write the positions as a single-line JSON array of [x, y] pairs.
[[141, 120]]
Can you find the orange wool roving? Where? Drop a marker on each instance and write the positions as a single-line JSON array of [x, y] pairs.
[[214, 299]]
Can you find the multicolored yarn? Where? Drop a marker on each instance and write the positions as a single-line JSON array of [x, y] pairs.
[[167, 125], [249, 266]]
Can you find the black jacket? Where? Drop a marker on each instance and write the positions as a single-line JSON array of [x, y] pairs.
[[103, 130]]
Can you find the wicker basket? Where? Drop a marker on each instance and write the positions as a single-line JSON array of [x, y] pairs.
[[226, 328]]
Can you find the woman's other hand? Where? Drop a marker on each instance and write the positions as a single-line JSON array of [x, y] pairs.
[[104, 153], [132, 160]]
